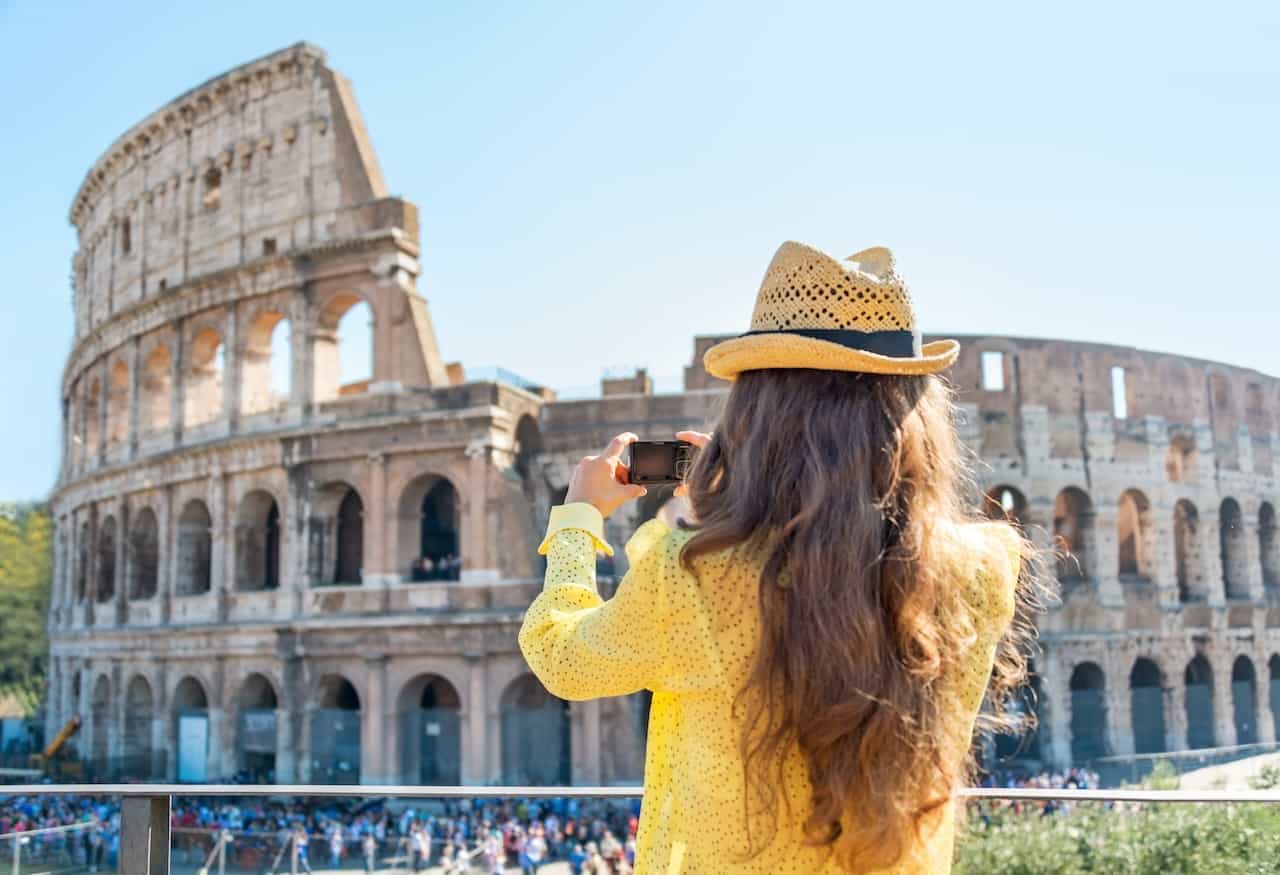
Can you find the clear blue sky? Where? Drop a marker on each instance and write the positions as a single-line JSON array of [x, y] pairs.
[[600, 181]]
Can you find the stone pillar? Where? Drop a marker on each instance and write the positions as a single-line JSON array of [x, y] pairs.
[[1055, 734], [301, 353], [289, 739], [375, 737], [475, 723], [1119, 717], [135, 395], [218, 758], [1166, 558], [231, 369], [293, 532], [1211, 556], [1224, 724], [1253, 555], [378, 566], [1106, 558], [479, 565], [159, 720], [1262, 701], [168, 569], [178, 382], [116, 708], [104, 394], [124, 562], [221, 542]]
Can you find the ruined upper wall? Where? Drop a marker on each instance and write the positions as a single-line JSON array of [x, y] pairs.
[[269, 157], [1069, 384]]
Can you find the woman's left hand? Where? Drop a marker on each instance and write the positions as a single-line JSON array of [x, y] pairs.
[[603, 480]]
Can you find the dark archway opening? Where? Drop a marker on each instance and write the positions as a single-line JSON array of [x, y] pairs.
[[1146, 702], [1199, 698], [1244, 700], [1088, 713], [535, 735]]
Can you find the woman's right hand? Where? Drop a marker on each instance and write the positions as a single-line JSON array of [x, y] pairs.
[[699, 439]]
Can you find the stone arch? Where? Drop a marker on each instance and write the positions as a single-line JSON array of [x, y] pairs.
[[256, 707], [336, 535], [337, 374], [1199, 702], [1136, 536], [195, 548], [1005, 503], [257, 542], [528, 444], [100, 713], [1244, 698], [1234, 554], [430, 731], [335, 732], [190, 716], [105, 579], [266, 363], [157, 391], [204, 378], [1181, 458], [1022, 741], [429, 528], [535, 734], [1193, 582], [1268, 545], [1146, 704], [138, 718], [1074, 536], [1088, 712], [144, 555], [118, 404]]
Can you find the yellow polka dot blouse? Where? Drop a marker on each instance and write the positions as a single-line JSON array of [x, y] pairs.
[[689, 636]]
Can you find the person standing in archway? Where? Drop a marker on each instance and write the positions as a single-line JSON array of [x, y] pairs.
[[821, 627]]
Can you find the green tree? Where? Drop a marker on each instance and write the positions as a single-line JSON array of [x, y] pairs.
[[26, 574]]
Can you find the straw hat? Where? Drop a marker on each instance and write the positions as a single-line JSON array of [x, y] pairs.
[[816, 312]]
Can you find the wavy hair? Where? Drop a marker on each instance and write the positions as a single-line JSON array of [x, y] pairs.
[[853, 491]]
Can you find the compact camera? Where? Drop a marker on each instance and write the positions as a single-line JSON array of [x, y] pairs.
[[654, 463]]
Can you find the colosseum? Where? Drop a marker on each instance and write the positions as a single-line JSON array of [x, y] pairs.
[[264, 568]]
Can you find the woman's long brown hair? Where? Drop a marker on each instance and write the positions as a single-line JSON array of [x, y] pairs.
[[855, 489]]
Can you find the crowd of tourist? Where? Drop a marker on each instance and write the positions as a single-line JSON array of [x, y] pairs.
[[276, 835], [1072, 779]]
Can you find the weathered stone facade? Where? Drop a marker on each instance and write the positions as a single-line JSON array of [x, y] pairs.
[[248, 557]]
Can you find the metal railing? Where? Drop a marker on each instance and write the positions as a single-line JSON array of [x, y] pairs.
[[145, 811]]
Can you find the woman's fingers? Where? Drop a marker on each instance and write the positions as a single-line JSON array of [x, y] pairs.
[[698, 438], [619, 445]]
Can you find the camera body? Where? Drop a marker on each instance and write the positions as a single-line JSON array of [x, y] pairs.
[[655, 463]]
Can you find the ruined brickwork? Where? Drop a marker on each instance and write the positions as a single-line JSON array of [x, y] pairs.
[[255, 557]]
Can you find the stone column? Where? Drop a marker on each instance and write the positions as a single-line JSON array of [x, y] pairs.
[[1211, 556], [377, 564], [1253, 555], [231, 369], [294, 540], [289, 739], [1224, 724], [301, 352], [1055, 734], [375, 738], [1166, 559], [135, 395], [124, 562], [221, 543], [178, 382], [1106, 558], [116, 708], [1262, 697], [478, 562], [168, 569], [217, 721], [104, 394], [159, 720], [1119, 717], [475, 722]]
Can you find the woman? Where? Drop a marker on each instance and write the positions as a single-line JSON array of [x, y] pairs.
[[819, 631]]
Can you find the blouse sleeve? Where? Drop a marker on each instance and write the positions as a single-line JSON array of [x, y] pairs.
[[583, 647]]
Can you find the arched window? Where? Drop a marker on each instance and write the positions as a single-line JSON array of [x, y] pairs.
[[106, 578], [1193, 583], [335, 550], [191, 729], [349, 561], [1199, 698], [535, 735], [267, 364], [1244, 700], [1135, 536], [429, 542], [144, 555], [1005, 503], [139, 756], [1268, 545], [1023, 741], [1088, 713], [157, 388], [195, 548], [257, 542], [1235, 562], [335, 733], [256, 742], [204, 378], [1073, 534], [89, 418], [343, 348], [83, 560], [1180, 460], [430, 731], [118, 405], [1146, 703]]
